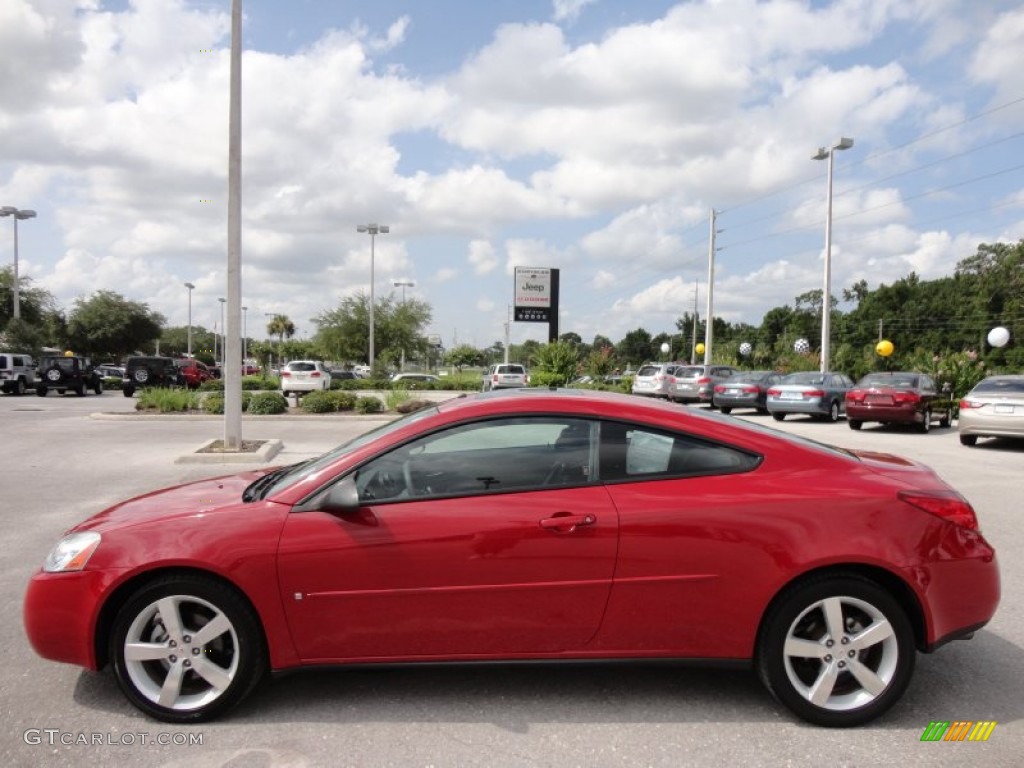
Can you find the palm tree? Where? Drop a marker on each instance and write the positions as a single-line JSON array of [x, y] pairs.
[[281, 326]]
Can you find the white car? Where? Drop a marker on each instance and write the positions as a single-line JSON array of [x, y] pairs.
[[304, 376]]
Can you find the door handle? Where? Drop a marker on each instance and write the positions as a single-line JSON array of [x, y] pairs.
[[566, 523]]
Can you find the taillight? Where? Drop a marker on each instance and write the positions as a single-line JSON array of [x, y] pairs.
[[855, 396], [703, 380], [814, 393], [906, 398], [315, 375], [774, 392], [286, 374], [949, 506], [747, 390], [719, 388], [967, 404]]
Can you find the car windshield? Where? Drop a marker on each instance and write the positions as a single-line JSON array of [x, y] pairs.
[[305, 470], [691, 372], [748, 377], [648, 370], [806, 377], [300, 367]]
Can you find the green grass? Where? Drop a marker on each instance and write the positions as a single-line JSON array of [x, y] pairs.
[[168, 400]]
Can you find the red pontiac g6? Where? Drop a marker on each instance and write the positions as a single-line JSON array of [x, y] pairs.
[[529, 525]]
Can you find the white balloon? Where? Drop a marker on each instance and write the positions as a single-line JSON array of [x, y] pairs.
[[998, 336], [746, 348], [802, 346]]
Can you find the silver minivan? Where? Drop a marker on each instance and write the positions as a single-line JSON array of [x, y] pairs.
[[504, 376], [17, 372]]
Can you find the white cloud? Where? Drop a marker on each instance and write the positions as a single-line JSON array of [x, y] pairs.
[[482, 257], [569, 10]]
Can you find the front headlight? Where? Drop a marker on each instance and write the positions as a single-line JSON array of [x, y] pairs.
[[72, 552]]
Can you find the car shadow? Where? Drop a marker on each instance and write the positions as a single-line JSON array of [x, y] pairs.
[[977, 679]]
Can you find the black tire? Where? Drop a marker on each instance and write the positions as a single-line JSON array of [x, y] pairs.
[[725, 409], [61, 391], [800, 617], [19, 388], [54, 374], [763, 411], [128, 390], [98, 389], [140, 375], [926, 424], [833, 412], [969, 440], [854, 424], [778, 416], [234, 654], [947, 419], [80, 390], [41, 391]]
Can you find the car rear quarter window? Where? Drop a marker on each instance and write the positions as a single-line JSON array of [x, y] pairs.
[[634, 452], [1000, 386]]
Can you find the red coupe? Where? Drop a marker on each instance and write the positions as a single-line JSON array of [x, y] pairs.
[[527, 525]]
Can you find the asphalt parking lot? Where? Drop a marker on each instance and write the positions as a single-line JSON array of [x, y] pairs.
[[62, 464]]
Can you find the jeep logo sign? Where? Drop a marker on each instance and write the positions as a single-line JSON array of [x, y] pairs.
[[533, 287]]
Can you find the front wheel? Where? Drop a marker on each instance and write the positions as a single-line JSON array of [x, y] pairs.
[[187, 649], [926, 422], [833, 412], [837, 650], [725, 409], [98, 389], [778, 416]]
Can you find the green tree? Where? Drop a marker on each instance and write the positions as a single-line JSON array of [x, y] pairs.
[[281, 326], [107, 325], [636, 347], [555, 364], [34, 302], [344, 332], [464, 355]]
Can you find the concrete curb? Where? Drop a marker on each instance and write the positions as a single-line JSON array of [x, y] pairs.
[[263, 454]]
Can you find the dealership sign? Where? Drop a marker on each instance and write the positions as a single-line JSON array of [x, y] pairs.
[[533, 294]]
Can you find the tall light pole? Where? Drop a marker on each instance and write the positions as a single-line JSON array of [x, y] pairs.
[[190, 289], [403, 284], [10, 210], [824, 153], [372, 230], [245, 336], [223, 336]]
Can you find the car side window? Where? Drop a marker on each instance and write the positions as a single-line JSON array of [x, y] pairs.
[[634, 452], [496, 456]]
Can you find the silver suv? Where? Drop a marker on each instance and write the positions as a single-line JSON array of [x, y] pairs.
[[696, 383], [17, 372], [504, 376], [655, 379]]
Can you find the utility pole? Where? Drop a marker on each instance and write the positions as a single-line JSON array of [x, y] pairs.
[[693, 344], [508, 332]]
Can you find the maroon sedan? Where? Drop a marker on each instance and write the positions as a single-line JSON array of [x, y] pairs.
[[529, 525], [893, 397]]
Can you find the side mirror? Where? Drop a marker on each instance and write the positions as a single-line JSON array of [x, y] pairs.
[[340, 498]]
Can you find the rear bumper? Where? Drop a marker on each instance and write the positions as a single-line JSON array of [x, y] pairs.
[[815, 407], [888, 413]]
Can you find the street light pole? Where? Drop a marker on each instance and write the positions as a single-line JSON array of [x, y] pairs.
[[824, 153], [245, 336], [223, 336], [10, 210], [372, 230], [403, 284], [190, 288]]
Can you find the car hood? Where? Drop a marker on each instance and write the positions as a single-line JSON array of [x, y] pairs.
[[199, 498]]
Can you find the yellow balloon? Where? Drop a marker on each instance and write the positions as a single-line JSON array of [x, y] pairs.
[[68, 353], [700, 349], [884, 348]]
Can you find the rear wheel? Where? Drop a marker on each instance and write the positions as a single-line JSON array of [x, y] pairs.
[[98, 389], [926, 422], [838, 650], [80, 390], [726, 410], [187, 649], [19, 388], [947, 419], [833, 412], [968, 440], [41, 391], [778, 416], [854, 424], [128, 390]]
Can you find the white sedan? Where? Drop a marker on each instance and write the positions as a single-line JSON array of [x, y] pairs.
[[304, 376]]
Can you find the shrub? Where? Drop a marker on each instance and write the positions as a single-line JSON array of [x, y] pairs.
[[212, 385], [268, 403], [396, 397], [369, 405], [319, 402], [167, 400], [213, 402], [344, 401], [348, 384]]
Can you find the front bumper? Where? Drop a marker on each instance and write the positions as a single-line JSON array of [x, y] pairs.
[[60, 614]]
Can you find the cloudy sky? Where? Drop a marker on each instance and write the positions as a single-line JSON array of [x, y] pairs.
[[595, 136]]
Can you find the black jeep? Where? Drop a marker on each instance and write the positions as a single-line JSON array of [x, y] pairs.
[[144, 372], [64, 372]]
